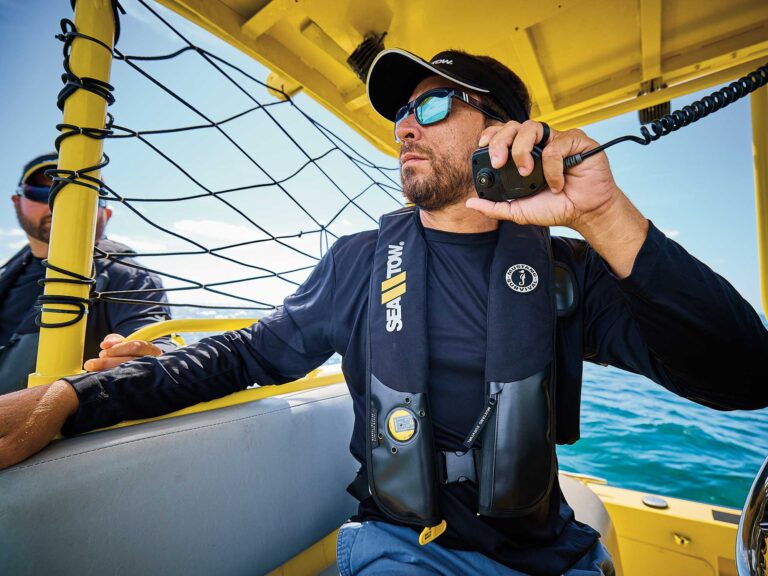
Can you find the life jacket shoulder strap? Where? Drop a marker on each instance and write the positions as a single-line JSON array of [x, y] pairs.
[[566, 290]]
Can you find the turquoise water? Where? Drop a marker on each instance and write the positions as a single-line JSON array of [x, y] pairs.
[[637, 435]]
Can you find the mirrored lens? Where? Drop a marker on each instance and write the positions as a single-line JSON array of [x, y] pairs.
[[401, 114], [433, 109]]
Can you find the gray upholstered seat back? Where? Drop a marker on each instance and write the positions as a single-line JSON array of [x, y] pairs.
[[238, 490]]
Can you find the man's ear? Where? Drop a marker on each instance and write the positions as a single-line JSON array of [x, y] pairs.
[[16, 200]]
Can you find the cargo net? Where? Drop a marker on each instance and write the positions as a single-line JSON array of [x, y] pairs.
[[286, 186]]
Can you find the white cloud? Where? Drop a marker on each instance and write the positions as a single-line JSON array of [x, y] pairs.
[[18, 244], [205, 268], [138, 245], [341, 226], [671, 233], [12, 232], [202, 230]]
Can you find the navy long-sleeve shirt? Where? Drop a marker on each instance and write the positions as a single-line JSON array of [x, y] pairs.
[[672, 320]]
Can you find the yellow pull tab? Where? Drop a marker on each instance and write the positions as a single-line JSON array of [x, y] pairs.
[[431, 532]]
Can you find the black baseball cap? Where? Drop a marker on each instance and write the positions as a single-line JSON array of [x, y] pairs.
[[44, 161], [395, 73]]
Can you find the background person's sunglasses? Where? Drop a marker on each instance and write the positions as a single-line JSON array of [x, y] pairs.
[[435, 105], [41, 193]]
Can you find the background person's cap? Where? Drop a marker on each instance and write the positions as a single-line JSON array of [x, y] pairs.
[[395, 73], [45, 161]]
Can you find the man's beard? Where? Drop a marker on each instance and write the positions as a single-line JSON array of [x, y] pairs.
[[449, 183], [40, 230]]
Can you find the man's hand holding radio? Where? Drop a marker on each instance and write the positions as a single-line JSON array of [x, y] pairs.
[[584, 198]]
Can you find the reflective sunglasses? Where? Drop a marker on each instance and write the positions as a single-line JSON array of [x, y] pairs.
[[41, 194], [435, 105]]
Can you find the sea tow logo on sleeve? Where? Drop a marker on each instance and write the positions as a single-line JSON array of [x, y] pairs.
[[394, 287]]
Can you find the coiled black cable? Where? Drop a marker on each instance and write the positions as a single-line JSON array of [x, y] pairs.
[[80, 303], [686, 115], [62, 177], [73, 83]]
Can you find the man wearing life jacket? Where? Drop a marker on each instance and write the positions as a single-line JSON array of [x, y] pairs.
[[463, 327], [20, 288]]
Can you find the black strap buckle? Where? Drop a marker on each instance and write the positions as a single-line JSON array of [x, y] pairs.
[[457, 467], [359, 486]]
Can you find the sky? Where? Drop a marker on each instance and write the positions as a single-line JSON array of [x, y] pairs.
[[697, 184]]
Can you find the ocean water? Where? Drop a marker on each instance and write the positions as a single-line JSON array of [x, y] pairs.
[[637, 435]]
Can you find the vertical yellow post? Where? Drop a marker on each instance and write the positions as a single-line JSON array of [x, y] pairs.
[[759, 105], [60, 352]]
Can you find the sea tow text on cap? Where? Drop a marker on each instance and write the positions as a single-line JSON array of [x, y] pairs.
[[442, 61], [394, 267]]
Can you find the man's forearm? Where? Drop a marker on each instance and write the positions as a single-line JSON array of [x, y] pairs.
[[151, 386], [31, 418], [616, 232], [679, 323]]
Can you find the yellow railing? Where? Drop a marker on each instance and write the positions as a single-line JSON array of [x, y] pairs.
[[323, 376], [60, 351], [168, 327], [759, 105]]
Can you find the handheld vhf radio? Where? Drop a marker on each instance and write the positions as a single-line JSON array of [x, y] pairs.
[[506, 183]]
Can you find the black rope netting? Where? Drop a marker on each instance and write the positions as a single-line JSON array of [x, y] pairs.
[[379, 179]]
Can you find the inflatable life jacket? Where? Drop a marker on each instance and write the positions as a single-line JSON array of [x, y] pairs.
[[516, 465]]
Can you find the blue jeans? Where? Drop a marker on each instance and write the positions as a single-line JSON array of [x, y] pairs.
[[381, 549]]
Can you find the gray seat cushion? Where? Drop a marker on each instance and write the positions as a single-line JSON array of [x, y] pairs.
[[238, 490]]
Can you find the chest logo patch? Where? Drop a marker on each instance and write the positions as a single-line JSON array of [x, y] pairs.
[[522, 278]]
